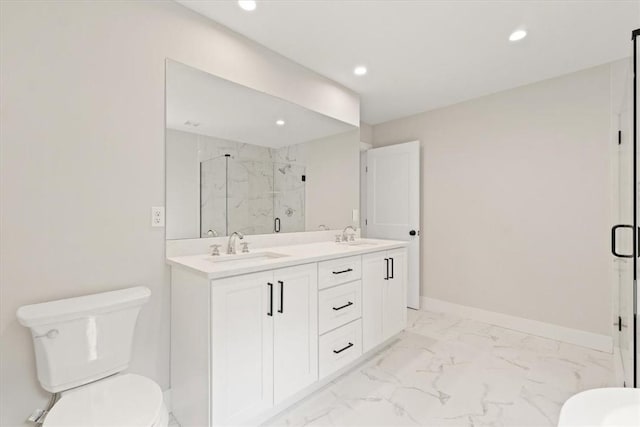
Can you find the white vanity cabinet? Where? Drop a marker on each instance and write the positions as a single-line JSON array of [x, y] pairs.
[[384, 311], [246, 346], [242, 347], [263, 343], [295, 330]]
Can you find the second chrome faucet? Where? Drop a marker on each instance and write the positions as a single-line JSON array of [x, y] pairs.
[[231, 246]]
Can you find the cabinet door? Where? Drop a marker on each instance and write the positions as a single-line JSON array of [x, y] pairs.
[[374, 273], [241, 347], [394, 296], [295, 334]]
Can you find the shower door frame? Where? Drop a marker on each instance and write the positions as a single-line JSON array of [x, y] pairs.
[[634, 335]]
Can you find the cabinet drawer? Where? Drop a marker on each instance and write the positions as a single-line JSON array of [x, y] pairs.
[[340, 347], [339, 305], [337, 271]]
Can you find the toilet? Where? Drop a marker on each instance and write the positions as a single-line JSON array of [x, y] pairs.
[[82, 346], [606, 407]]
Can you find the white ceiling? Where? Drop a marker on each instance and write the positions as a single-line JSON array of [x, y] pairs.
[[230, 111], [423, 55]]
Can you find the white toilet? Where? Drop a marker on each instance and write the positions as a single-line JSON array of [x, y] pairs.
[[606, 407], [82, 345]]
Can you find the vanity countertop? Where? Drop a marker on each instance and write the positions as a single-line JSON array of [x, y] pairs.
[[277, 257]]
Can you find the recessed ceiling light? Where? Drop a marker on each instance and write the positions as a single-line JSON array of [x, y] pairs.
[[360, 70], [280, 122], [247, 5], [517, 35]]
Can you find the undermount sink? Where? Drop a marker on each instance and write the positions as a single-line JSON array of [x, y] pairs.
[[244, 259], [360, 242]]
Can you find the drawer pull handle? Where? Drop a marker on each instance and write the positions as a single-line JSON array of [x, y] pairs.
[[343, 306], [343, 349], [343, 271]]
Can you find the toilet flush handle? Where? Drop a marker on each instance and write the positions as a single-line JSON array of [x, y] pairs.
[[52, 334]]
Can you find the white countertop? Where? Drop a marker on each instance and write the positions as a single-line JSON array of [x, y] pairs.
[[291, 255]]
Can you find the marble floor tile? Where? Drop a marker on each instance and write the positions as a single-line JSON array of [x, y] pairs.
[[445, 370]]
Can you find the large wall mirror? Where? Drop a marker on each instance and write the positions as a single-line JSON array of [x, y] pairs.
[[242, 160]]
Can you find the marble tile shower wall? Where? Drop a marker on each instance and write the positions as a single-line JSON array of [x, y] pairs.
[[262, 184]]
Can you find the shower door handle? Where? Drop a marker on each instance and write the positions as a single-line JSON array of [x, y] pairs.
[[613, 240], [276, 225]]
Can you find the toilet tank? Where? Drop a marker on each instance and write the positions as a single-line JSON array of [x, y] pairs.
[[80, 340]]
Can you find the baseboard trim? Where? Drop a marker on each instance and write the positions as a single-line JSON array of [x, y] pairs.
[[533, 327]]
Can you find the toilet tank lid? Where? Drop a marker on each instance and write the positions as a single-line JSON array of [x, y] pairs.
[[72, 308]]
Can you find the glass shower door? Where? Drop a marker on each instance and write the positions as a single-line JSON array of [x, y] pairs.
[[625, 232], [622, 246], [288, 197]]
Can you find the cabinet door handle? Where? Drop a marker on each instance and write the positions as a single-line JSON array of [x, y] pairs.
[[343, 348], [270, 312], [387, 276], [343, 271], [392, 267], [343, 306], [281, 296]]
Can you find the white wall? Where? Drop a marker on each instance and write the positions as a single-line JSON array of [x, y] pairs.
[[333, 180], [516, 200], [366, 133], [183, 185], [82, 158]]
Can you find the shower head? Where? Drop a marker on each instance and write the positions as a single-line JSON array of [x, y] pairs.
[[284, 169]]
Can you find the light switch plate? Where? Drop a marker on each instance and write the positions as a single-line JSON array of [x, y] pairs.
[[157, 216], [355, 216]]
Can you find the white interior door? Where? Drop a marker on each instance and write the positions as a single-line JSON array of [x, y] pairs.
[[393, 204]]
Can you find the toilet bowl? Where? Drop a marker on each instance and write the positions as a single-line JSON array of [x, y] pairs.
[[125, 400], [602, 407], [82, 347]]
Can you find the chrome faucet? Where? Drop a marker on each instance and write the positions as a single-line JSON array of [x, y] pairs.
[[344, 233], [231, 247]]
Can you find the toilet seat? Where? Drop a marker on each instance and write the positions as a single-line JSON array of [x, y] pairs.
[[126, 400], [613, 406]]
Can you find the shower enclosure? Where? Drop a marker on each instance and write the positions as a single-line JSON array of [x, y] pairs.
[[250, 196], [625, 234]]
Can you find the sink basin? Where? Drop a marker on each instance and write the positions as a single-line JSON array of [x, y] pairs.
[[242, 260], [359, 242]]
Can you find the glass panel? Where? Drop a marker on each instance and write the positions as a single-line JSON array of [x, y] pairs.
[[250, 208], [213, 197], [624, 238]]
